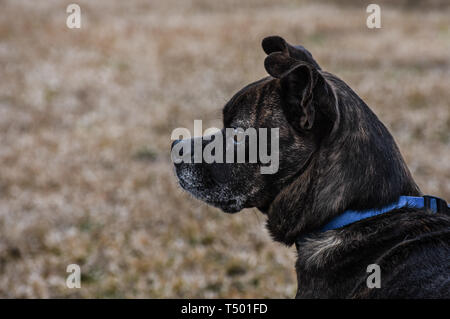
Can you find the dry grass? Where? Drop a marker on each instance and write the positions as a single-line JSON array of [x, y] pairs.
[[86, 117]]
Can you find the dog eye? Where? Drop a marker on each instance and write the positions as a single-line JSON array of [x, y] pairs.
[[238, 136]]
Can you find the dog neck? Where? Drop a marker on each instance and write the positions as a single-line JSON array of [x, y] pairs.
[[357, 167]]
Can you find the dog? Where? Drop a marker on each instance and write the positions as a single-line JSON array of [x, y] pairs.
[[335, 156]]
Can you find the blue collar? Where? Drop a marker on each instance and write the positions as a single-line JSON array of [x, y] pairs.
[[434, 204]]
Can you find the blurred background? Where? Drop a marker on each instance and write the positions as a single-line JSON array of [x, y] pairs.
[[86, 116]]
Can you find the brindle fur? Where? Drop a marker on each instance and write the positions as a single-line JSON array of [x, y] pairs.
[[335, 155]]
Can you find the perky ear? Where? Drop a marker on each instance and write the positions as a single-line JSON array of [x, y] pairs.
[[298, 86], [278, 44], [274, 43], [298, 80], [279, 63]]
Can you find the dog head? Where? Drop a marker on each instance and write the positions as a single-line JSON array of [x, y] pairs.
[[295, 101]]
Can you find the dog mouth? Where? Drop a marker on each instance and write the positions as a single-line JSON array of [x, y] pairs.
[[229, 206]]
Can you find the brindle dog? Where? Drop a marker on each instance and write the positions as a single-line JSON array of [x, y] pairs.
[[335, 155]]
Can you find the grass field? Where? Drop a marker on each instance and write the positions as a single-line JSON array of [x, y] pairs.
[[86, 116]]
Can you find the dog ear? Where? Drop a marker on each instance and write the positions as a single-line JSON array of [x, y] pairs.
[[278, 44], [298, 86], [303, 89], [274, 43], [279, 63]]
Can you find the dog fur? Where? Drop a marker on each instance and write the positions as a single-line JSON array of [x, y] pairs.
[[335, 155]]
